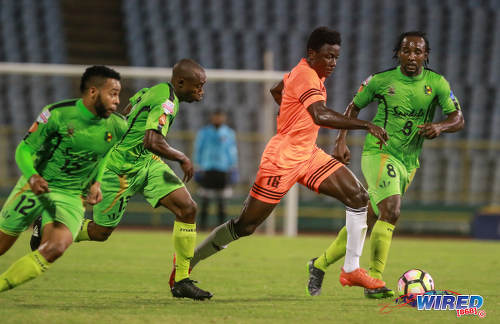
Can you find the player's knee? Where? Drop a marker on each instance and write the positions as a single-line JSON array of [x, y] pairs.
[[359, 199], [53, 250], [390, 215], [188, 212]]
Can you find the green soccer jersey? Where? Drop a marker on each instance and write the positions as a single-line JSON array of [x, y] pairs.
[[403, 104], [154, 108], [69, 141]]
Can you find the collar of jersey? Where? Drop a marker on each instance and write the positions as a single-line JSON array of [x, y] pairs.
[[84, 110], [408, 78]]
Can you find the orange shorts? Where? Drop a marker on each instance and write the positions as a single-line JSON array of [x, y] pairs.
[[272, 184]]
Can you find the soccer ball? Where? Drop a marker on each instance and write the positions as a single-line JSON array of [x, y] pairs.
[[415, 282]]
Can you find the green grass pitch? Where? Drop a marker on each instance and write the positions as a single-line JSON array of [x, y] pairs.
[[258, 279]]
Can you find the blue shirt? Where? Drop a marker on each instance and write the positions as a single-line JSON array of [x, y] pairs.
[[215, 149]]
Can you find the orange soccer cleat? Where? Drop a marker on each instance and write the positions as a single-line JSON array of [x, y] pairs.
[[359, 277], [171, 280]]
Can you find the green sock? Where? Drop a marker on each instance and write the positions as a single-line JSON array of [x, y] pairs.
[[335, 251], [380, 243], [26, 268], [184, 236], [83, 235]]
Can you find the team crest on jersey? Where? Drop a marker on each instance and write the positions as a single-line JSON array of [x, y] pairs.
[[168, 107], [108, 136], [364, 83], [391, 91], [71, 131], [44, 117], [427, 90]]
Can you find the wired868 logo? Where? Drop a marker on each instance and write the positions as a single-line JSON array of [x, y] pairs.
[[440, 300], [462, 304]]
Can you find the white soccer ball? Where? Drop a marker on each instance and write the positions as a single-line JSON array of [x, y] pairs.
[[415, 282]]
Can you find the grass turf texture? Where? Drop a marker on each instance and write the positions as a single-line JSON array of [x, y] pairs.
[[256, 280]]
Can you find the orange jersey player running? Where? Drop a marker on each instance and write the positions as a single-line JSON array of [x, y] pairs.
[[292, 156]]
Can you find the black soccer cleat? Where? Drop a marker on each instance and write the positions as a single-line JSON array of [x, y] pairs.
[[186, 289], [315, 279], [379, 293], [36, 237]]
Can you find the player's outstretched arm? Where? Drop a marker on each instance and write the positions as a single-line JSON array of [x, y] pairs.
[[325, 117], [276, 92], [157, 144], [341, 151], [453, 123]]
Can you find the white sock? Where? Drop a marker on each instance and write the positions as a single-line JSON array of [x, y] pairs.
[[356, 231]]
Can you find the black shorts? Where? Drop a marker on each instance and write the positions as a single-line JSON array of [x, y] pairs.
[[213, 179]]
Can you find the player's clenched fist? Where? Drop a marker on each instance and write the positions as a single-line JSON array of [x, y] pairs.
[[95, 195], [38, 184]]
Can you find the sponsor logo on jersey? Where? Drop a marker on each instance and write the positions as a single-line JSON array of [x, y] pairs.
[[168, 107], [427, 90], [44, 117], [108, 136], [414, 113]]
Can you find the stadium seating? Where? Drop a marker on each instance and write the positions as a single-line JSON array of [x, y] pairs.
[[39, 39]]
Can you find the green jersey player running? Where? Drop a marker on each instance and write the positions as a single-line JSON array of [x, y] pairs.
[[61, 160], [407, 97], [133, 166]]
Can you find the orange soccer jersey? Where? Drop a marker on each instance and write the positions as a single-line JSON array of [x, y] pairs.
[[292, 155]]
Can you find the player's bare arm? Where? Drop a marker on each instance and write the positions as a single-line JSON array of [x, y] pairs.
[[341, 152], [323, 116], [453, 123], [157, 144], [276, 91]]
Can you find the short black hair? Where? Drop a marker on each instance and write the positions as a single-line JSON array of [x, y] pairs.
[[322, 35], [417, 33], [96, 76]]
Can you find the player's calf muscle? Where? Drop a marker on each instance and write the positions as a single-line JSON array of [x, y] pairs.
[[99, 233], [243, 228], [6, 241]]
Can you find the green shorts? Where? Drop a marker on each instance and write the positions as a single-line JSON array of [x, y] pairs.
[[154, 181], [386, 176], [23, 207]]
